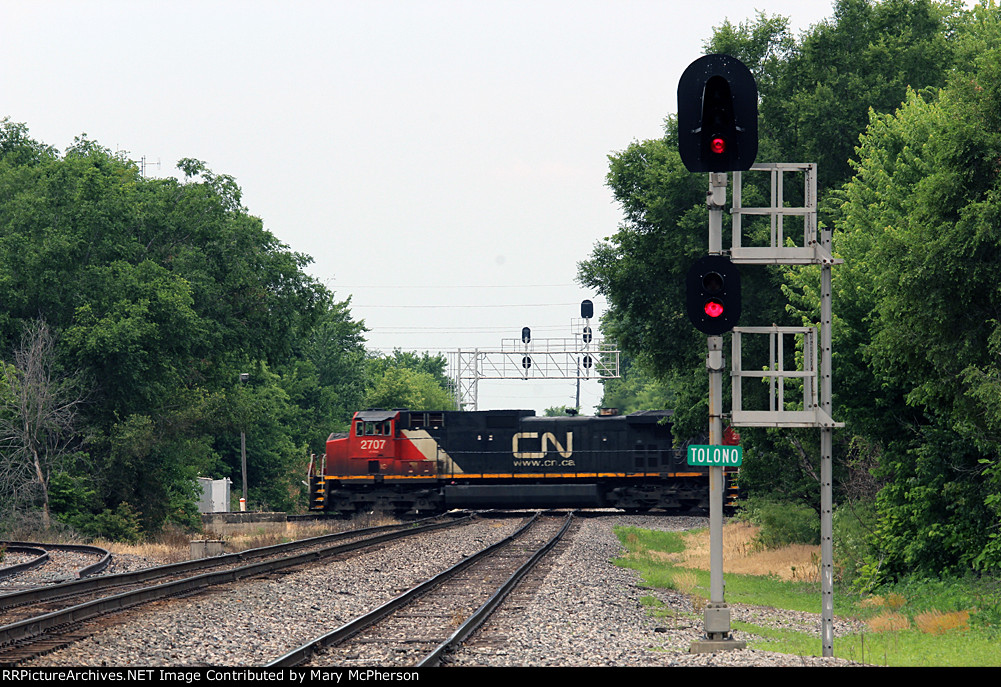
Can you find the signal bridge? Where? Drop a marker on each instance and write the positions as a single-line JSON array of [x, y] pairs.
[[581, 357]]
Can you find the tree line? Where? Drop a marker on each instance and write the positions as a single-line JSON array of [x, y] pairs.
[[899, 103], [132, 308]]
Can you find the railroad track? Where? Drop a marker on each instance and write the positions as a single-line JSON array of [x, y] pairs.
[[419, 627], [40, 620], [33, 554]]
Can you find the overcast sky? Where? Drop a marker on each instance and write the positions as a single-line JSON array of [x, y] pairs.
[[442, 161]]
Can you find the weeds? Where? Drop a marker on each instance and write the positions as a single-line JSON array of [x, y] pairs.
[[174, 546], [914, 623], [938, 622], [888, 621]]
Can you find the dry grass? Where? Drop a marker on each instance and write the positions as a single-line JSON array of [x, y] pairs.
[[741, 556], [685, 582], [698, 602], [940, 622], [888, 621], [930, 622], [151, 551], [893, 601], [175, 546]]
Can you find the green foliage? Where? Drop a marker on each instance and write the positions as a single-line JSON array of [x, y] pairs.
[[635, 390], [898, 102], [433, 365], [782, 523], [408, 380], [120, 524], [160, 293], [72, 496], [404, 388], [855, 543], [77, 504], [918, 226]]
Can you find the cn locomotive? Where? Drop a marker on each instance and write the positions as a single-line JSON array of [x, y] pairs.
[[404, 461]]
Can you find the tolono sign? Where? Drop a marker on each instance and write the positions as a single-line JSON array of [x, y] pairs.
[[715, 456]]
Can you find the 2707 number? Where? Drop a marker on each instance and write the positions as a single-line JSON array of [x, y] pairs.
[[372, 444]]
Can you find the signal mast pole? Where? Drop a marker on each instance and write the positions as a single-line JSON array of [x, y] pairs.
[[717, 133], [717, 613]]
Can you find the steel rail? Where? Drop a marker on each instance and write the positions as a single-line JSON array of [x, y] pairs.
[[481, 614], [33, 627], [94, 568], [40, 557], [82, 586], [302, 654]]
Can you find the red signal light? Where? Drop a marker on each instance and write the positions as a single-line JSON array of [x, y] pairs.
[[718, 145], [713, 308], [712, 294]]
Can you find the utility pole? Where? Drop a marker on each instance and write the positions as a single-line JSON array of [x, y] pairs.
[[244, 376]]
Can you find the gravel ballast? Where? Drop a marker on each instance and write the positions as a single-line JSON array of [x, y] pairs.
[[587, 611]]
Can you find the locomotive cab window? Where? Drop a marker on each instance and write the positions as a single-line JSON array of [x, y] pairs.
[[370, 429]]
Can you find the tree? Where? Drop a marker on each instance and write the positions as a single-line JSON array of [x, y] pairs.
[[408, 380], [635, 390], [919, 227], [401, 387], [161, 292], [39, 418], [434, 365]]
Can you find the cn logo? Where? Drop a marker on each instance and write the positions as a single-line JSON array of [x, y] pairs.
[[565, 450]]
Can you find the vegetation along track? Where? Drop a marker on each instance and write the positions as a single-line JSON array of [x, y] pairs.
[[36, 621], [420, 626]]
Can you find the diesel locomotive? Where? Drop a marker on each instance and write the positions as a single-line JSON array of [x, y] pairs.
[[404, 461]]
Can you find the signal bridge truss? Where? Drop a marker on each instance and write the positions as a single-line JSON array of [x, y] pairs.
[[580, 358], [813, 359], [814, 354]]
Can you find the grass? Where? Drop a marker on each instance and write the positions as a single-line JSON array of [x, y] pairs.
[[175, 546], [942, 623]]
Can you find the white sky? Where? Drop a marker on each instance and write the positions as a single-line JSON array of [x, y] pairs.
[[442, 161]]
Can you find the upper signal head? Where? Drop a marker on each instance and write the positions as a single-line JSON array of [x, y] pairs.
[[717, 115]]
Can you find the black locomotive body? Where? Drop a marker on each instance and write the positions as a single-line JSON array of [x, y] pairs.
[[399, 460]]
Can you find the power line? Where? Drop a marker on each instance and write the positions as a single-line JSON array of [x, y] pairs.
[[456, 286], [503, 305], [472, 330]]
